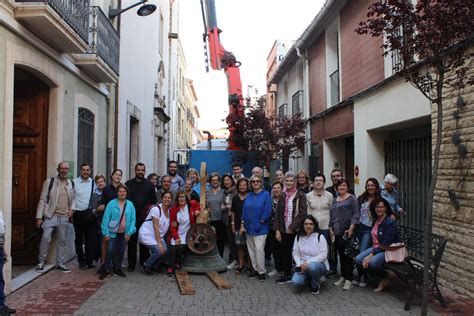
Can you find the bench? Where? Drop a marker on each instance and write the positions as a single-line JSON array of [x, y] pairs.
[[410, 272]]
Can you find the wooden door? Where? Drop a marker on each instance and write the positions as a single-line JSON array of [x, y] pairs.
[[30, 131]]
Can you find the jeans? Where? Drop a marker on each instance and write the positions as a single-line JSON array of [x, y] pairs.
[[132, 249], [365, 241], [61, 224], [115, 252], [375, 264], [332, 263], [314, 272], [155, 255]]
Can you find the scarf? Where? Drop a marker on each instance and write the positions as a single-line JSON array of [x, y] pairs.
[[288, 195]]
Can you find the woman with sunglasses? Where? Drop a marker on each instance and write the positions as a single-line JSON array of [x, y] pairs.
[[182, 216], [310, 252], [256, 214], [118, 225]]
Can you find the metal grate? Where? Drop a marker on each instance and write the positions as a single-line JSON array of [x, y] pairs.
[[105, 40], [410, 161], [74, 12], [85, 138], [282, 110], [296, 102]]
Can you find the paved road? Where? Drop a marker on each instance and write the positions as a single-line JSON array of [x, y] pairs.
[[158, 295]]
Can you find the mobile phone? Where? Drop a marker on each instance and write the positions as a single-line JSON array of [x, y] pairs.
[[298, 269]]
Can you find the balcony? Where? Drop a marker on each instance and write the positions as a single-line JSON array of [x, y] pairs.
[[63, 24], [101, 60]]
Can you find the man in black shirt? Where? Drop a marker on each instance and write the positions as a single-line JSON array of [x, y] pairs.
[[141, 192], [336, 175]]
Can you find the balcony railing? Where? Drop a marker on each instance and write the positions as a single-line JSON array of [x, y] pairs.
[[334, 80], [74, 12], [105, 40]]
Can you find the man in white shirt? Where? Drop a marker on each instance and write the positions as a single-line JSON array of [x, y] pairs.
[[85, 225]]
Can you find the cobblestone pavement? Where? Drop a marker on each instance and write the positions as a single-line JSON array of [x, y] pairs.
[[159, 295]]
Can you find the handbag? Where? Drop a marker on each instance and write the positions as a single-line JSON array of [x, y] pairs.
[[352, 246], [396, 255], [114, 224], [239, 238]]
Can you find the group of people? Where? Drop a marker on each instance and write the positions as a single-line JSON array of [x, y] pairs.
[[302, 225]]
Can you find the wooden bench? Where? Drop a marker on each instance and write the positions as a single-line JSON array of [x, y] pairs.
[[411, 271]]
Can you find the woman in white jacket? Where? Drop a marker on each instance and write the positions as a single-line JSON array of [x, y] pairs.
[[310, 251]]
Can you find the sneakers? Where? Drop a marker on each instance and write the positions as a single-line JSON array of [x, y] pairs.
[[347, 285], [363, 281], [5, 310], [273, 273], [261, 277], [315, 290], [40, 268], [233, 265], [120, 273], [322, 279], [147, 271], [101, 269], [62, 268], [340, 282], [82, 266], [253, 274], [170, 271], [284, 279], [355, 282]]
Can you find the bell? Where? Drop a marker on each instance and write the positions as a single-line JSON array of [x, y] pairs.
[[202, 256]]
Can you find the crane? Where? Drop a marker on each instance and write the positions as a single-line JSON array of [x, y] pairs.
[[220, 59]]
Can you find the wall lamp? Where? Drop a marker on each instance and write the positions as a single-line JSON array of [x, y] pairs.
[[145, 9]]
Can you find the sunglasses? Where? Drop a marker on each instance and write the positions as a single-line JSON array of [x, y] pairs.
[[256, 181]]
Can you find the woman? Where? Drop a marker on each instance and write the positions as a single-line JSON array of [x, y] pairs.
[[256, 213], [190, 193], [153, 231], [279, 176], [108, 194], [344, 216], [98, 210], [118, 224], [194, 176], [277, 191], [214, 199], [182, 215], [384, 233], [372, 191], [310, 252], [303, 183], [236, 218], [290, 211], [228, 185]]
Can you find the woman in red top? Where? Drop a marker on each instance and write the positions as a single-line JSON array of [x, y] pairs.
[[182, 216]]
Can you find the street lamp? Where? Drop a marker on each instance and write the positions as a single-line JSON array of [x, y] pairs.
[[145, 9]]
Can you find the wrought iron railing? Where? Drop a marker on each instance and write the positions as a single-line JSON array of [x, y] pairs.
[[334, 79], [104, 40], [74, 12]]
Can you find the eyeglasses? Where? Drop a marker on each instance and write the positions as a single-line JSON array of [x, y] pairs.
[[256, 181]]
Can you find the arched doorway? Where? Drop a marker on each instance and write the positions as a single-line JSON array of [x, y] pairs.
[[30, 134]]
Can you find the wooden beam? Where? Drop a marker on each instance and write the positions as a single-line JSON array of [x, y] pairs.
[[184, 283], [219, 281], [203, 216]]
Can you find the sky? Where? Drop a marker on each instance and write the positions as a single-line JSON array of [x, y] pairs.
[[249, 29]]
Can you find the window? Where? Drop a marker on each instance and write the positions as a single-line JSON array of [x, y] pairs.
[[282, 110], [180, 123], [296, 102], [85, 138], [334, 80]]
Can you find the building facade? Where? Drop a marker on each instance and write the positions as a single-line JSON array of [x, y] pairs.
[[57, 86]]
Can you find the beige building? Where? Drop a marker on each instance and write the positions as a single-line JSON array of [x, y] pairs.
[[192, 115], [59, 62]]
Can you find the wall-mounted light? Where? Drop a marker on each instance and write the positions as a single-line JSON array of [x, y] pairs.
[[145, 9]]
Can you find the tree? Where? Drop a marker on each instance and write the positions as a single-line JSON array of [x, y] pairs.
[[268, 138], [432, 38]]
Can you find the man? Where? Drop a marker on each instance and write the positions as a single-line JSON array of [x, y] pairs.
[[85, 225], [390, 193], [54, 212], [257, 171], [176, 181], [237, 171], [319, 203], [336, 175], [141, 192], [165, 187]]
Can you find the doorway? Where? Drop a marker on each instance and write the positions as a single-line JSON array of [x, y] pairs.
[[30, 135]]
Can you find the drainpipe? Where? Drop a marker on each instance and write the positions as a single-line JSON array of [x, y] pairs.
[[306, 110]]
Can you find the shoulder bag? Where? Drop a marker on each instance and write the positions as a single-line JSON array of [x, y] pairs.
[[114, 224]]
